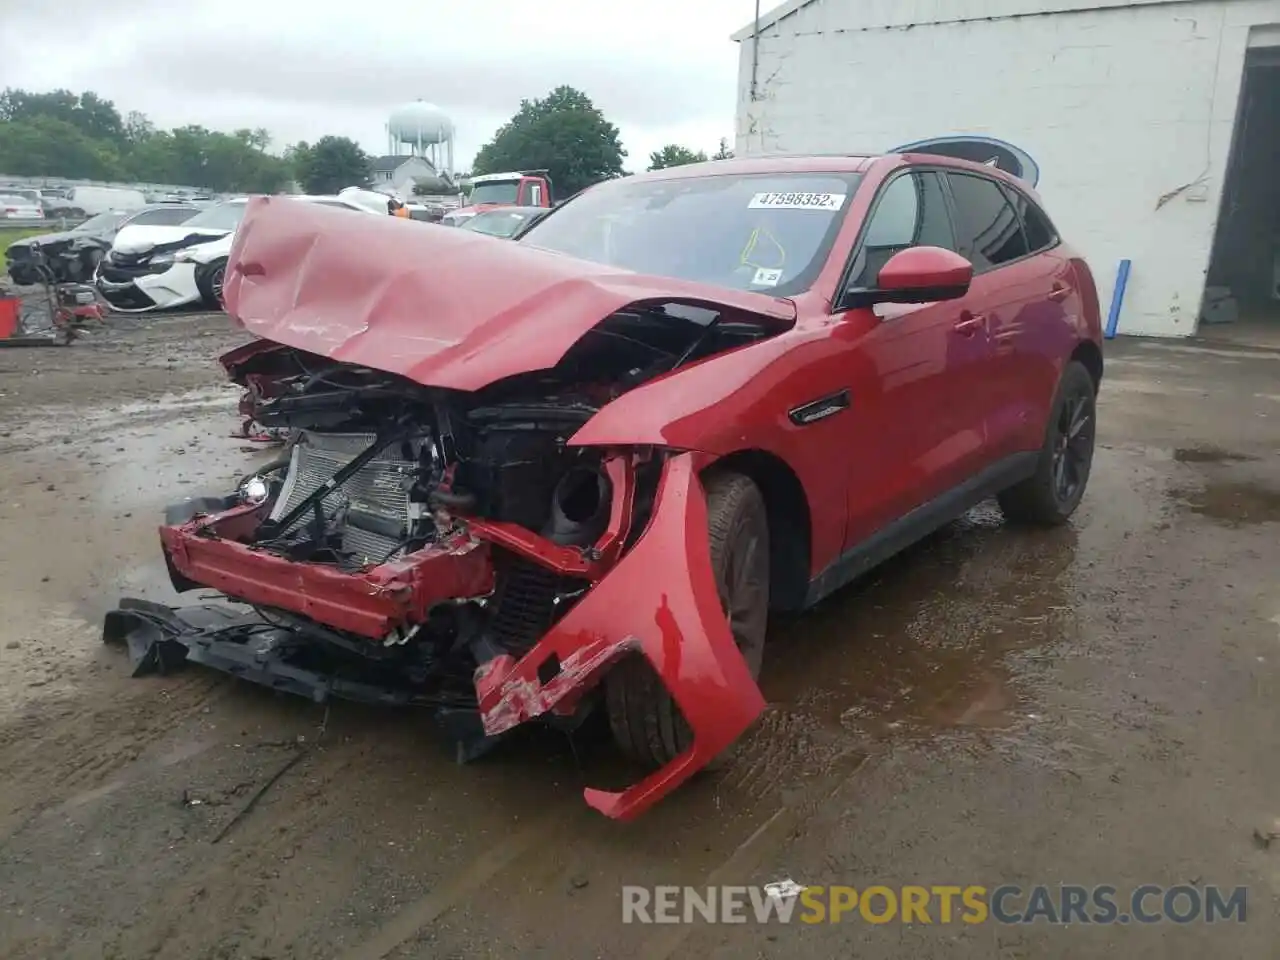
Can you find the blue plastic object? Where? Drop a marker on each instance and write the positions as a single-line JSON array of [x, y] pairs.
[[1117, 299]]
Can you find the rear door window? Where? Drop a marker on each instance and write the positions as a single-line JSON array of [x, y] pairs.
[[1035, 224], [987, 226]]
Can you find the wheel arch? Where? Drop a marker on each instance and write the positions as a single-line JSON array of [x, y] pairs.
[[790, 522]]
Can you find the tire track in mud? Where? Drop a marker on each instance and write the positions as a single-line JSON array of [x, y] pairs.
[[72, 746], [720, 827]]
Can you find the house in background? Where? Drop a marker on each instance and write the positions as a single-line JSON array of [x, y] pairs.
[[1155, 125], [399, 173]]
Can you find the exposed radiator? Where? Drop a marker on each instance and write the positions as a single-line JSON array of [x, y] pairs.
[[371, 507], [524, 604]]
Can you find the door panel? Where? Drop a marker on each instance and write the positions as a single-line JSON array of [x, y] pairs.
[[1050, 312], [1007, 284], [928, 435], [1015, 422], [927, 361]]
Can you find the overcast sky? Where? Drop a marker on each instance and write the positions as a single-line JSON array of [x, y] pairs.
[[664, 71]]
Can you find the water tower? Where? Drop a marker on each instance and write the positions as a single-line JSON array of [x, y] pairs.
[[425, 130]]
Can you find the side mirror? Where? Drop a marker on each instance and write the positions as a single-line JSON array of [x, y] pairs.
[[916, 275]]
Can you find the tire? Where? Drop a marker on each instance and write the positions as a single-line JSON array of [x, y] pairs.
[[87, 266], [1050, 496], [645, 721], [209, 282]]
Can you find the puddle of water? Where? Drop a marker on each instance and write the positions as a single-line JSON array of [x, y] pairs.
[[209, 397], [78, 427], [169, 461], [1208, 454], [923, 644], [1233, 503]]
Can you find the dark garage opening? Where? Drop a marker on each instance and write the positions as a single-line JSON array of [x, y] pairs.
[[1242, 296]]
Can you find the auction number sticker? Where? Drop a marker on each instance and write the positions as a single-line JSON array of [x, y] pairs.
[[797, 201]]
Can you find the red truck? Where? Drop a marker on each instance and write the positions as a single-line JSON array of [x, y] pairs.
[[516, 188]]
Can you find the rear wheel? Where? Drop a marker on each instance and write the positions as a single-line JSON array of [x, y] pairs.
[[646, 722], [1051, 495], [209, 281]]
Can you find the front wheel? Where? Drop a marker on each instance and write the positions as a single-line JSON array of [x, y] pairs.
[[646, 722], [209, 281], [1050, 496]]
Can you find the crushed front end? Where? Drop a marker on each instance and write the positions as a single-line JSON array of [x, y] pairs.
[[456, 551]]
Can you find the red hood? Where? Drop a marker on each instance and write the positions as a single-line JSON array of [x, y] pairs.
[[442, 306]]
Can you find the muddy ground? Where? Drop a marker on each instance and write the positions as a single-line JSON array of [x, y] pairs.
[[1093, 705]]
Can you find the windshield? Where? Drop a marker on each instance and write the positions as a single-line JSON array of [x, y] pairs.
[[498, 223], [499, 191], [225, 216], [101, 221], [768, 233]]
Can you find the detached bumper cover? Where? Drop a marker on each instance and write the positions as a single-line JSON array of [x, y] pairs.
[[667, 611], [648, 604]]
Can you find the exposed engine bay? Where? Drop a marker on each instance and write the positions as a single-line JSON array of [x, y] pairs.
[[381, 467], [415, 544]]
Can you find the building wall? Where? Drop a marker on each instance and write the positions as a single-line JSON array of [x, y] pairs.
[[1127, 107], [402, 178]]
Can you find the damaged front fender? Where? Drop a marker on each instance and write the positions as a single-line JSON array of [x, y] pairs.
[[660, 601]]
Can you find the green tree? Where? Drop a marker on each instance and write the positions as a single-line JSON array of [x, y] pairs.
[[82, 136], [137, 128], [563, 133], [330, 164], [723, 153], [87, 112], [674, 155], [211, 159], [151, 157], [44, 146]]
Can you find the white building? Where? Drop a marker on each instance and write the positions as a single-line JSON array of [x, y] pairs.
[[399, 173], [1155, 123]]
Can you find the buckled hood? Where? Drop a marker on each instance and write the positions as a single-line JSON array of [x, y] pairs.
[[441, 306]]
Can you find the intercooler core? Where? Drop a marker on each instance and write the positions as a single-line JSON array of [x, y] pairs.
[[370, 510]]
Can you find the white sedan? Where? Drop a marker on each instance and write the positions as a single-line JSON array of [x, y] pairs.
[[156, 268], [15, 207]]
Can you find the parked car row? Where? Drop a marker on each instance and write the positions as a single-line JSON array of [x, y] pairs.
[[174, 253], [73, 255], [82, 201]]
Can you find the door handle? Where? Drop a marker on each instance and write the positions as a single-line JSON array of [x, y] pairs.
[[1060, 292], [969, 324]]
